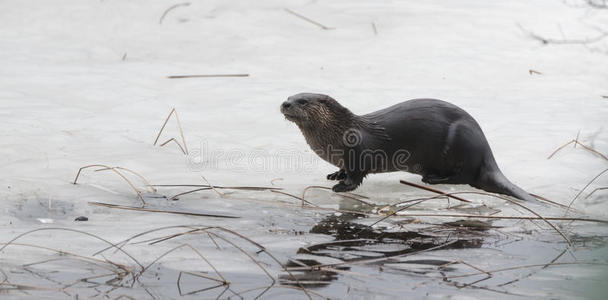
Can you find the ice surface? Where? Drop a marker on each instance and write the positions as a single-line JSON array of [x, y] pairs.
[[85, 82]]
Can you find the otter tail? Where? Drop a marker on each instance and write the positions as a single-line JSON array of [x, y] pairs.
[[496, 182]]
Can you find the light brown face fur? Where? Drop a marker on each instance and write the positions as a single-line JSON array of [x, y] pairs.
[[322, 121], [306, 114], [313, 110]]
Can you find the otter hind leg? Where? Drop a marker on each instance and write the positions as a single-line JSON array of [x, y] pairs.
[[450, 137], [450, 168], [438, 179], [338, 175], [350, 183]]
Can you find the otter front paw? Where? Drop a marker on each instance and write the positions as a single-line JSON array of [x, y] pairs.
[[338, 175], [343, 187]]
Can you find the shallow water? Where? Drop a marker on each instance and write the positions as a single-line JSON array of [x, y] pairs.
[[343, 258]]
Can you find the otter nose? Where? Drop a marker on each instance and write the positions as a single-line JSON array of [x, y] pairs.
[[286, 104]]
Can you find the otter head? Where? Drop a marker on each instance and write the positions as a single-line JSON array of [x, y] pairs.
[[314, 110]]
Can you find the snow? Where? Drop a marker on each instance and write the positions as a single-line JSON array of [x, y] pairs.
[[69, 99]]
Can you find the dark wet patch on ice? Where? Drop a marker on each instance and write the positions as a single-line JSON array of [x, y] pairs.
[[362, 241], [355, 242], [312, 278], [471, 225], [42, 210]]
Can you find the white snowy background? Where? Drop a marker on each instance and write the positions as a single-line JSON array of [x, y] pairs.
[[85, 82]]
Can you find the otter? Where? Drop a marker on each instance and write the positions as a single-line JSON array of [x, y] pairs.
[[429, 137]]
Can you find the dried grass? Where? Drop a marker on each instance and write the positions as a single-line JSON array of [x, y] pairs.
[[181, 132]]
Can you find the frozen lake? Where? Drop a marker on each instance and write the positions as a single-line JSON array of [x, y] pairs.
[[86, 82]]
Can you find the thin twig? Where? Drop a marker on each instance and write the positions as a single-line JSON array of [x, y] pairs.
[[488, 274], [595, 190], [290, 205], [175, 197], [345, 195], [503, 217], [214, 242], [137, 191], [109, 205], [458, 198], [206, 76], [163, 127], [529, 266], [587, 185], [221, 279], [547, 41], [307, 19], [285, 287], [548, 201], [176, 142], [5, 277], [247, 188], [157, 240], [246, 254], [222, 195], [181, 132], [522, 206], [143, 179], [263, 249], [418, 201], [160, 21], [207, 231], [32, 287], [111, 245], [314, 206], [582, 145], [299, 198], [528, 209], [127, 240], [532, 273], [204, 187], [102, 263], [433, 190]]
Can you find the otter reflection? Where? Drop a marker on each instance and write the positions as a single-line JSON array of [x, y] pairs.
[[355, 242]]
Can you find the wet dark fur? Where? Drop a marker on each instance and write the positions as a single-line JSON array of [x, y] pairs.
[[439, 140]]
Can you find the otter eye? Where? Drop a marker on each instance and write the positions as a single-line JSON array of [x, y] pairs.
[[302, 101]]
